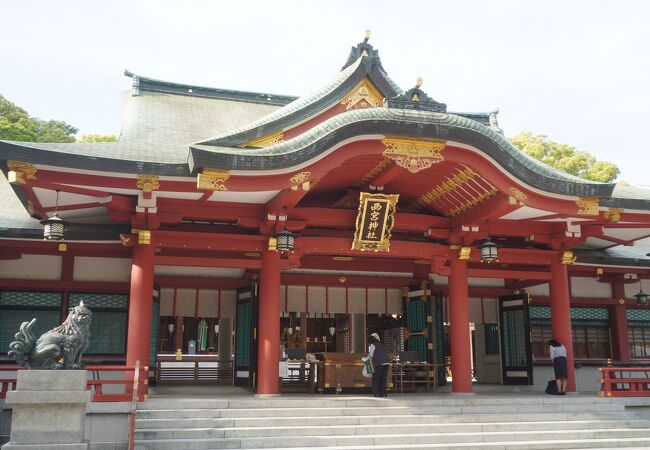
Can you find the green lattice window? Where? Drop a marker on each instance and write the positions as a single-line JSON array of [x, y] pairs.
[[491, 339], [585, 316], [514, 338], [17, 307], [109, 324], [243, 338], [418, 344], [416, 315], [638, 334]]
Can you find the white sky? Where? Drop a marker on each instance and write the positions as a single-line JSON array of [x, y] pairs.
[[577, 71]]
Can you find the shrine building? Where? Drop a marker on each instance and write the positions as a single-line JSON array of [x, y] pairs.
[[233, 228]]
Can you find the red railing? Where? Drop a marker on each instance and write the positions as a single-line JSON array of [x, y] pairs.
[[624, 382], [7, 384], [95, 385]]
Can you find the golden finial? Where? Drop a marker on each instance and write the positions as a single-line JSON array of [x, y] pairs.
[[366, 35], [419, 81]]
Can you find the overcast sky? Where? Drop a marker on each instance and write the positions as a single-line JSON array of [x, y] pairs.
[[577, 71]]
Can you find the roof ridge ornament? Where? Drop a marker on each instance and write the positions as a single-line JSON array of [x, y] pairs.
[[364, 49], [416, 98]]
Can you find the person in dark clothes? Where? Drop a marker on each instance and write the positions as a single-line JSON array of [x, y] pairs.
[[558, 356], [377, 352]]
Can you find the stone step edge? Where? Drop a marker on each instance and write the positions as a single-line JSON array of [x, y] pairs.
[[505, 444], [459, 424]]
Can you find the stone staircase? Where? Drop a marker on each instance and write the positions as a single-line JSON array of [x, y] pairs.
[[439, 421]]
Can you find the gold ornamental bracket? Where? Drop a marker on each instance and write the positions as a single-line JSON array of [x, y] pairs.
[[266, 141], [144, 237], [301, 180], [20, 172], [363, 95], [148, 183], [413, 155], [375, 220], [587, 206], [568, 257], [212, 180]]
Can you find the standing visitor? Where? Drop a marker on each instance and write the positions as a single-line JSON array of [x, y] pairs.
[[558, 356], [379, 357]]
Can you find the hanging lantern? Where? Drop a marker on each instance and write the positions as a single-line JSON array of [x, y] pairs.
[[284, 241], [489, 251], [54, 226], [641, 297]]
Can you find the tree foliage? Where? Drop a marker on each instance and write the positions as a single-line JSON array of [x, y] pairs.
[[97, 138], [17, 125], [564, 157]]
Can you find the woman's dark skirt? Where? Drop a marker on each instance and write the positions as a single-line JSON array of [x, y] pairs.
[[559, 366]]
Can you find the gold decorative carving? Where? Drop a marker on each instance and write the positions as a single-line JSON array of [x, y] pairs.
[[442, 189], [148, 183], [568, 257], [125, 238], [300, 177], [363, 95], [20, 172], [517, 195], [587, 206], [273, 242], [613, 214], [413, 155], [375, 219], [266, 141], [63, 247], [463, 252], [144, 236], [379, 168], [470, 203], [212, 180]]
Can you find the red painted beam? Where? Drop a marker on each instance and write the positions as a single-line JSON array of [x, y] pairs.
[[200, 282]]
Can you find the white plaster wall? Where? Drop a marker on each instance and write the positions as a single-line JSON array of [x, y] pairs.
[[185, 302], [32, 267], [337, 300], [208, 302], [438, 280], [88, 268], [490, 310], [634, 288], [540, 289], [166, 301], [190, 271], [475, 313], [486, 313], [376, 301], [357, 300], [590, 287], [296, 298], [317, 299], [485, 282]]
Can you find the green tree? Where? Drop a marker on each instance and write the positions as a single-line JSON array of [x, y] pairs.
[[97, 138], [564, 157], [17, 125]]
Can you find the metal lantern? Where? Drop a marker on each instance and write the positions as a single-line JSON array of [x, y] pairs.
[[284, 241], [54, 228], [641, 297], [489, 251]]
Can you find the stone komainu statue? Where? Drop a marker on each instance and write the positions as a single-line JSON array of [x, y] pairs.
[[59, 348]]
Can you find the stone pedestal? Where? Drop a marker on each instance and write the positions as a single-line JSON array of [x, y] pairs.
[[49, 410]]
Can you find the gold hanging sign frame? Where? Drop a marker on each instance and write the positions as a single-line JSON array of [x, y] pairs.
[[375, 220]]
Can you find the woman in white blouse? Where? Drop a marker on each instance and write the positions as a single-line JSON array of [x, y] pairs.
[[558, 356]]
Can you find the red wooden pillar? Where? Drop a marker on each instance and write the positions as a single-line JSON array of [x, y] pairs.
[[461, 363], [269, 324], [561, 315], [618, 315], [140, 304]]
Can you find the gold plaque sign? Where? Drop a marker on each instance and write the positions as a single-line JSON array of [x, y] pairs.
[[374, 222]]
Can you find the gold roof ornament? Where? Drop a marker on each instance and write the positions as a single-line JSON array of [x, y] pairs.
[[212, 180], [148, 183], [20, 172], [587, 206], [363, 95], [568, 258], [413, 155]]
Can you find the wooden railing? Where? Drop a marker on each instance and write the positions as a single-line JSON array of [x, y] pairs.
[[193, 370], [97, 385], [624, 382]]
